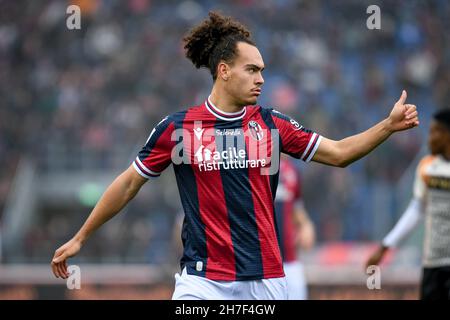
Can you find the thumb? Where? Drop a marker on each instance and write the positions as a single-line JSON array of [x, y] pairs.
[[402, 97], [59, 258]]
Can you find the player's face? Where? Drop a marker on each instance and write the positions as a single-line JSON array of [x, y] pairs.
[[245, 78], [438, 138]]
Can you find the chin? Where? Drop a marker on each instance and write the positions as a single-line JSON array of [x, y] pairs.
[[251, 101]]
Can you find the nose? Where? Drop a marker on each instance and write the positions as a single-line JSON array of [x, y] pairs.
[[259, 80]]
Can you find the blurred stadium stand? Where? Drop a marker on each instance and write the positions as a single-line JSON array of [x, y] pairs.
[[77, 105]]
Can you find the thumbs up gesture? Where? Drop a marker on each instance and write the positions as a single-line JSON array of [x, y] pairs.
[[403, 116]]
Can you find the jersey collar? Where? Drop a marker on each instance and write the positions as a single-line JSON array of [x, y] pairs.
[[227, 116]]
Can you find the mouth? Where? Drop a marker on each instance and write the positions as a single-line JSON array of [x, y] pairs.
[[256, 92]]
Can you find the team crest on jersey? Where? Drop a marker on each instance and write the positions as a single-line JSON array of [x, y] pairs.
[[255, 130]]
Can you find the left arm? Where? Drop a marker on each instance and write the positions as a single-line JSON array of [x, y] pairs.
[[306, 235], [343, 152]]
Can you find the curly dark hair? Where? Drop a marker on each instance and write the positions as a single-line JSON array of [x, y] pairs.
[[443, 117], [215, 39]]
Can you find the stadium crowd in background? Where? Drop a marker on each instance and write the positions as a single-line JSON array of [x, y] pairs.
[[96, 90]]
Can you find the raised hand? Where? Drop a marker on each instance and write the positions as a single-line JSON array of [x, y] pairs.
[[403, 116]]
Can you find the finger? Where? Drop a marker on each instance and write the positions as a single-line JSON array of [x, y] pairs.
[[65, 268], [59, 258], [412, 124], [55, 255], [56, 259], [412, 115], [410, 107], [55, 270], [414, 118], [402, 97], [58, 271], [61, 270], [66, 274]]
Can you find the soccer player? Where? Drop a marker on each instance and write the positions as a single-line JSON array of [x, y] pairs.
[[431, 200], [222, 152], [296, 231]]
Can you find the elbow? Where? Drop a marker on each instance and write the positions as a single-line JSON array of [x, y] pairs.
[[129, 185], [340, 161], [343, 163], [342, 157], [128, 195], [334, 153], [131, 191]]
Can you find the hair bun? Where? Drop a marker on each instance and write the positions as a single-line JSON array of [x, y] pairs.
[[203, 39]]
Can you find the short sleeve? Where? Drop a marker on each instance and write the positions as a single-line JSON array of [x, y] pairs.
[[296, 140], [155, 155]]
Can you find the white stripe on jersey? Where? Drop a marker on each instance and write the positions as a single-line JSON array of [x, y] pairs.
[[309, 145], [140, 171], [147, 170], [313, 152]]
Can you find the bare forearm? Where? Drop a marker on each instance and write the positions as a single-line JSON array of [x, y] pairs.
[[342, 153], [357, 146], [116, 196], [305, 230]]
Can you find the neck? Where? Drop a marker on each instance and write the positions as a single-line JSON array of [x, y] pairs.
[[223, 101]]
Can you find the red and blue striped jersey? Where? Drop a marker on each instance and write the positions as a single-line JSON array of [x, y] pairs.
[[226, 168], [288, 195]]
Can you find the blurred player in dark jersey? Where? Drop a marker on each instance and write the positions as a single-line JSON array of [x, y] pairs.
[[225, 155], [430, 202], [296, 231]]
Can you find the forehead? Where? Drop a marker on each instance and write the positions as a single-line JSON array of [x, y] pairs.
[[248, 54], [436, 125]]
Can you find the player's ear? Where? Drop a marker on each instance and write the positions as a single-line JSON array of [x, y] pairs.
[[223, 71]]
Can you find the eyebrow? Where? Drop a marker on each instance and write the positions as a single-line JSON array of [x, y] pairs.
[[254, 66]]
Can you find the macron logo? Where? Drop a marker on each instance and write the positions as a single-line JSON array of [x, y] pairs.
[[198, 133]]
